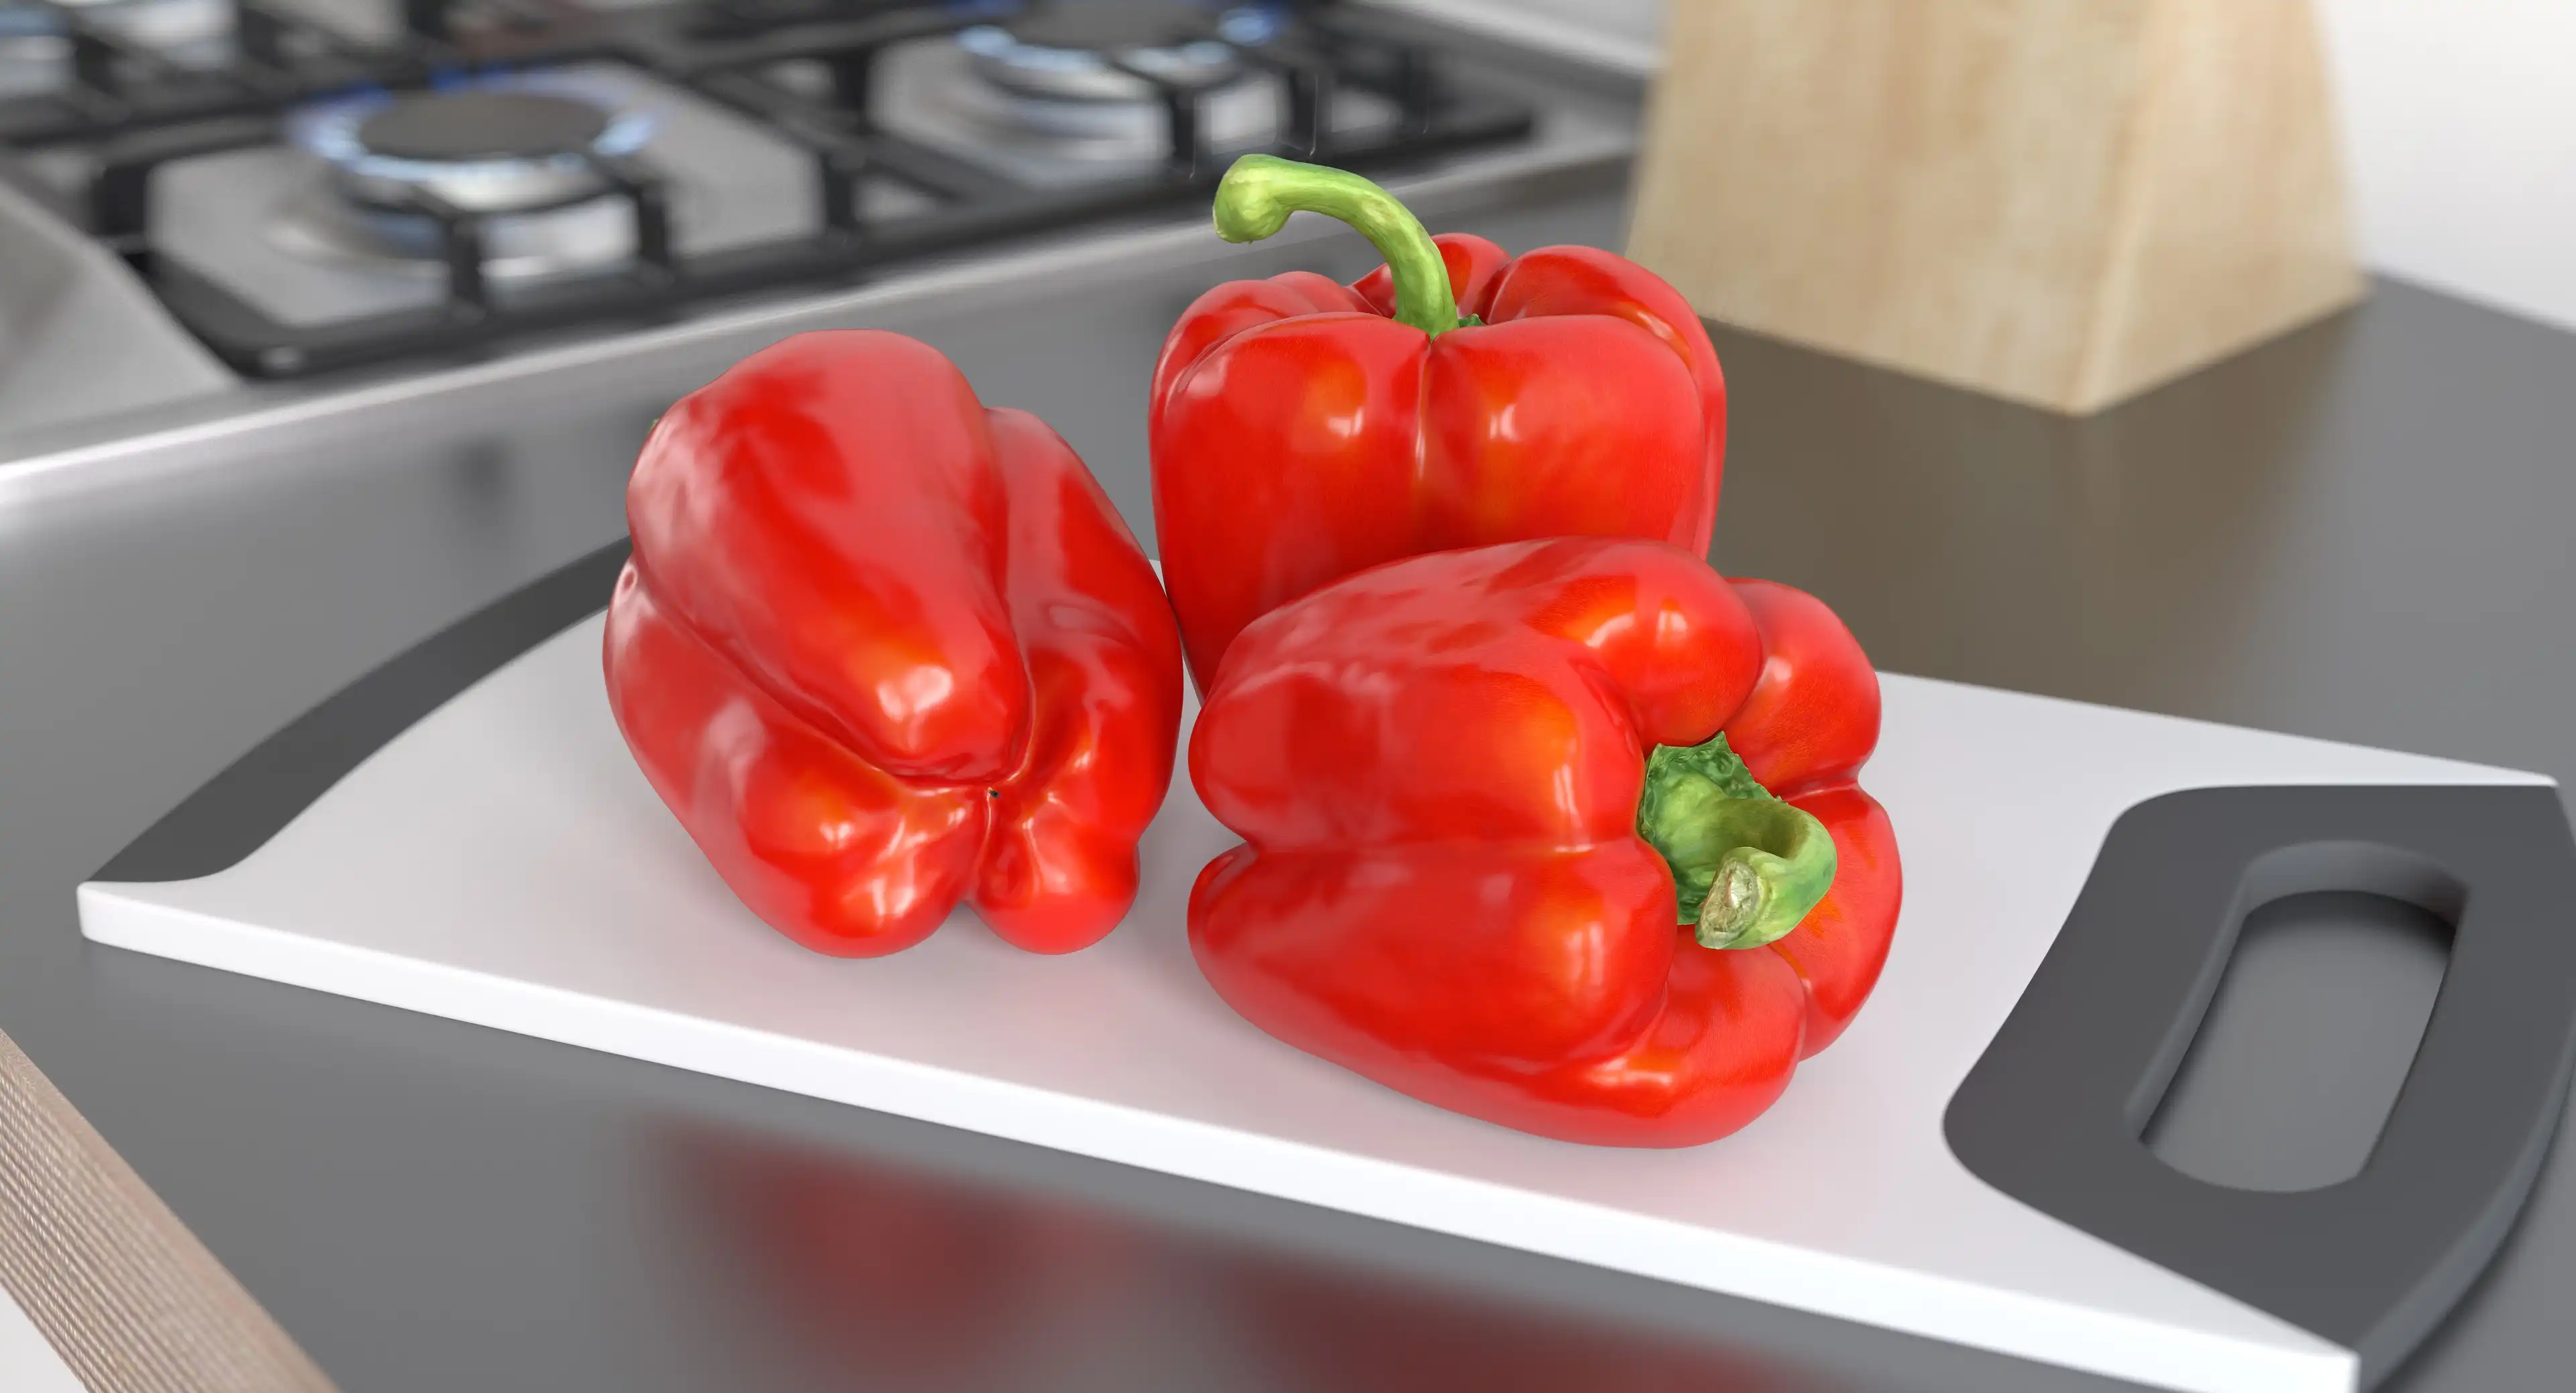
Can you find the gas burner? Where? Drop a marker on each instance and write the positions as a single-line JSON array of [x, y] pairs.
[[1120, 53], [36, 36], [1079, 91], [318, 224], [33, 50], [510, 145], [530, 156], [187, 33]]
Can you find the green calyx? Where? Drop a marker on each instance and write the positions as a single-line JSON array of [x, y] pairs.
[[1747, 867], [1258, 193]]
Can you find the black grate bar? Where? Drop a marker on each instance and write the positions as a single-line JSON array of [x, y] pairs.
[[649, 194], [673, 50], [460, 231]]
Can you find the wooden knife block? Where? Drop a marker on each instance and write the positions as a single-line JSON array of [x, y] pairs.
[[2061, 202]]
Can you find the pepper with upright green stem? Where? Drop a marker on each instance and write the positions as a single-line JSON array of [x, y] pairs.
[[1753, 863], [1458, 396], [1258, 193]]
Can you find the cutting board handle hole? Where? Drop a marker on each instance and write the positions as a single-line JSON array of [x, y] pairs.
[[2313, 1020]]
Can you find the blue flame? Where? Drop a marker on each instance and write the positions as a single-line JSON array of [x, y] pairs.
[[329, 128], [1251, 26]]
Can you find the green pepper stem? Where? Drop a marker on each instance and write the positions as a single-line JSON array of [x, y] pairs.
[[1260, 191], [1781, 865], [1746, 867]]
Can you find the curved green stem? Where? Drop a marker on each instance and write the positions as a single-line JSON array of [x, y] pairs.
[[1260, 191], [1781, 865], [1747, 867]]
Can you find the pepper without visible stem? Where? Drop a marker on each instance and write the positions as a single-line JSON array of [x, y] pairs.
[[1258, 193], [1746, 866]]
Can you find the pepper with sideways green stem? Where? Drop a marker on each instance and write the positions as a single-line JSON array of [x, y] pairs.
[[1746, 866], [1565, 835]]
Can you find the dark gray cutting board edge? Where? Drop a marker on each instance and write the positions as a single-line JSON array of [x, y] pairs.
[[237, 811], [2055, 1112]]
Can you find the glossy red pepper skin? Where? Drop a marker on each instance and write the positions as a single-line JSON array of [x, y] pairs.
[[1435, 766], [882, 649], [1300, 433]]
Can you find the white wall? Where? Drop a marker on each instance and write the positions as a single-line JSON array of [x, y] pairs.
[[2459, 121]]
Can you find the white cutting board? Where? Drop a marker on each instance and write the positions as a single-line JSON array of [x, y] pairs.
[[503, 862], [28, 1363]]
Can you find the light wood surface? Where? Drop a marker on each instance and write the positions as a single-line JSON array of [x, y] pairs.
[[2061, 202], [128, 1298]]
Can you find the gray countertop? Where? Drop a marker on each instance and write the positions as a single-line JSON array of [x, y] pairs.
[[2358, 532]]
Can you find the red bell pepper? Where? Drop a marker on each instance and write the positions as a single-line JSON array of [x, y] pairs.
[[1564, 835], [1303, 430], [882, 650]]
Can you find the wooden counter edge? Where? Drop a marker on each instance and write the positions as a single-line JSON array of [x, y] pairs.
[[129, 1299]]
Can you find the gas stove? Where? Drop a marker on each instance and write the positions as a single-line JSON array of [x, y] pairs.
[[311, 185]]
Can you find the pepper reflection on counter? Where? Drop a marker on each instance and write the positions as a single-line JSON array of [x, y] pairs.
[[839, 1269]]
